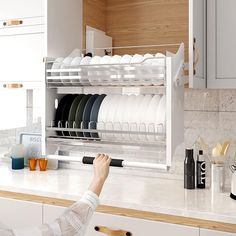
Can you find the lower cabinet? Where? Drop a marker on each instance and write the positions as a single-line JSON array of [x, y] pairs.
[[136, 227], [110, 223], [50, 213], [207, 232], [20, 214]]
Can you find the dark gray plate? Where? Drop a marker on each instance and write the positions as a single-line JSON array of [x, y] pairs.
[[72, 112], [87, 112], [94, 114], [79, 113]]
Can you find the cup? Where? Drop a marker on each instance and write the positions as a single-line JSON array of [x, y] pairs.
[[43, 164], [17, 163], [217, 177], [32, 163]]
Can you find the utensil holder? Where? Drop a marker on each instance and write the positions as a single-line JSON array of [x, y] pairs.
[[17, 163], [217, 177]]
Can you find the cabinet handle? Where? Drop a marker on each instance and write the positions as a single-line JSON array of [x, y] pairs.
[[12, 22], [111, 232], [196, 55], [13, 86]]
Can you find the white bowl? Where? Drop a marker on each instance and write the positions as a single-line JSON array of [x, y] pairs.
[[74, 65], [57, 65], [104, 73], [125, 59], [94, 76], [66, 65], [84, 74]]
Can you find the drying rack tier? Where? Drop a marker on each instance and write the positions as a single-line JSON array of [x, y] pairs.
[[156, 75]]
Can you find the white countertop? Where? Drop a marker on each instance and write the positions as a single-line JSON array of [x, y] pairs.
[[139, 193]]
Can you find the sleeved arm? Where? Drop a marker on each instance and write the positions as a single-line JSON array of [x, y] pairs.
[[72, 222]]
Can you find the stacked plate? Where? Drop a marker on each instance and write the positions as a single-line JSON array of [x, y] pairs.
[[114, 70], [135, 115]]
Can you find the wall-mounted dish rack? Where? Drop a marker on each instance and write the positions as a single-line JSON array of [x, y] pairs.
[[131, 145]]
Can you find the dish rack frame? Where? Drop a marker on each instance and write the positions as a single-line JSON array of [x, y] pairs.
[[172, 84]]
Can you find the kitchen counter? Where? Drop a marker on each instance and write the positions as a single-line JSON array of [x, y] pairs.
[[142, 197]]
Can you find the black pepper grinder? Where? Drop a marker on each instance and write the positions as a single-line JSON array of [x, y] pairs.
[[189, 170]]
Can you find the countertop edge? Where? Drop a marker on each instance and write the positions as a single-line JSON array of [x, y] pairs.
[[173, 219]]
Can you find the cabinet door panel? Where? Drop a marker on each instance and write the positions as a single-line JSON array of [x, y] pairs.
[[138, 227], [21, 58], [20, 214], [197, 33], [221, 49], [50, 213], [14, 9], [207, 232]]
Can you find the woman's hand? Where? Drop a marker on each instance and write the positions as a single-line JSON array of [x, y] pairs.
[[101, 166]]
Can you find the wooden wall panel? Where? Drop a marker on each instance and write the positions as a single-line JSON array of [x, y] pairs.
[[94, 15], [145, 22]]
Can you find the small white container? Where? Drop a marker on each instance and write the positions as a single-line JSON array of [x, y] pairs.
[[217, 178]]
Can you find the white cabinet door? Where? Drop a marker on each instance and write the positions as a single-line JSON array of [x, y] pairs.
[[19, 214], [14, 9], [221, 46], [207, 232], [21, 58], [138, 227], [197, 43], [50, 213]]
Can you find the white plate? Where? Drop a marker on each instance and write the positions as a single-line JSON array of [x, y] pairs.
[[110, 115], [134, 119], [102, 115], [126, 115], [117, 121], [151, 116], [161, 115], [94, 78], [142, 115]]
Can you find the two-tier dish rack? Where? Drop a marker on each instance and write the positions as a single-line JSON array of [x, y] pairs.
[[146, 77]]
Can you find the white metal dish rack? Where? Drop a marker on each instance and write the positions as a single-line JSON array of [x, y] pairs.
[[156, 75]]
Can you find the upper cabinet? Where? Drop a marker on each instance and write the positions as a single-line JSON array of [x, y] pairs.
[[221, 46], [12, 9], [31, 30], [197, 43], [212, 37]]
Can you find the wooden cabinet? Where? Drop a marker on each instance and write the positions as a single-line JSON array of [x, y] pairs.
[[207, 232], [221, 47], [19, 214]]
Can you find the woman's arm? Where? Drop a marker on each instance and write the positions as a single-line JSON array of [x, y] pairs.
[[76, 218]]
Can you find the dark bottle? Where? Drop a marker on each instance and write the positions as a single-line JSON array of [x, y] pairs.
[[189, 170], [201, 170]]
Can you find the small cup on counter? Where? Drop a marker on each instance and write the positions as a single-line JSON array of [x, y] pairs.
[[17, 163], [43, 162], [32, 163]]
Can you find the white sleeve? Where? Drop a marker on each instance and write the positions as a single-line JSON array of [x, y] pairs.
[[72, 222]]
